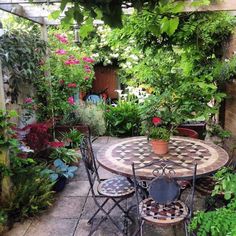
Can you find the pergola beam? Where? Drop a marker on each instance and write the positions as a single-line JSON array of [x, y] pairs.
[[225, 5], [19, 11]]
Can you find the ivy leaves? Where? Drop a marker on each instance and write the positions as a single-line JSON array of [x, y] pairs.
[[21, 53]]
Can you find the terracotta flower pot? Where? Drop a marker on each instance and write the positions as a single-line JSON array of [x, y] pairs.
[[159, 147]]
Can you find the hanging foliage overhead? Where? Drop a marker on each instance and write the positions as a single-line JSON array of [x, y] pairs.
[[110, 11]]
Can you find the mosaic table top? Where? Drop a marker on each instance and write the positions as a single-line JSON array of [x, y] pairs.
[[119, 156]]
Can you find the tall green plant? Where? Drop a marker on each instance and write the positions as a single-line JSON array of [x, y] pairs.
[[21, 52], [123, 119]]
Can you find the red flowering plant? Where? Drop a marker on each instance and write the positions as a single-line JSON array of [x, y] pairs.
[[160, 119]]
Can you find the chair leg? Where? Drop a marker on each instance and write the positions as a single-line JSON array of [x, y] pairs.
[[99, 223], [99, 209], [186, 229], [122, 209], [107, 214]]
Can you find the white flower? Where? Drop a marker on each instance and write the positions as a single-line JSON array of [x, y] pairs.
[[134, 57]]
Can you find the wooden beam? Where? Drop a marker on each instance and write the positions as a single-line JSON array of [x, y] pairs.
[[18, 10], [223, 5], [4, 158]]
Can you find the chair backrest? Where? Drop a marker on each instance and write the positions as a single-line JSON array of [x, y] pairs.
[[89, 160], [164, 187]]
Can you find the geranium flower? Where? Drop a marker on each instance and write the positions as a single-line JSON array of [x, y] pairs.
[[71, 85], [56, 144], [62, 38], [71, 101], [28, 100], [61, 52], [156, 120], [88, 59]]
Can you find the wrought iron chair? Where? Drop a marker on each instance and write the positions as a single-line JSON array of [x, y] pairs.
[[116, 189], [160, 204]]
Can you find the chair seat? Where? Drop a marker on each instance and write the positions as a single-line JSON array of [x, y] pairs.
[[116, 187], [162, 215]]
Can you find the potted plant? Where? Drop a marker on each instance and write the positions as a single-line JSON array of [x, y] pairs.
[[60, 173], [159, 133]]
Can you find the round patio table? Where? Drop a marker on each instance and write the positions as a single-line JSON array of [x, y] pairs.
[[119, 156]]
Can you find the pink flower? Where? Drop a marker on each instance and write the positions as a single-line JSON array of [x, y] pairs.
[[72, 61], [71, 101], [88, 70], [62, 38], [56, 144], [87, 67], [71, 85], [61, 52], [88, 59], [86, 78], [156, 120], [28, 100]]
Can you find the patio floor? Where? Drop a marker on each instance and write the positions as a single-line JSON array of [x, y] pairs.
[[74, 206]]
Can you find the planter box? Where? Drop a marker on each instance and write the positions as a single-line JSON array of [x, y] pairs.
[[200, 127]]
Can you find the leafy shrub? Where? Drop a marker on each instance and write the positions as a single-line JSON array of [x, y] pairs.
[[123, 119], [93, 116], [222, 220], [38, 136], [31, 193], [65, 154], [3, 220]]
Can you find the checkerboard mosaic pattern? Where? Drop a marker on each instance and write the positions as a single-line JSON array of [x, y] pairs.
[[154, 212], [116, 187], [184, 151]]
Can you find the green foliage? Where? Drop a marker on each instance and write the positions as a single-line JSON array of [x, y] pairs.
[[52, 98], [74, 137], [31, 193], [21, 52], [6, 132], [226, 183], [111, 10], [93, 116], [60, 169], [217, 130], [123, 119], [67, 155], [222, 220], [159, 133], [216, 223]]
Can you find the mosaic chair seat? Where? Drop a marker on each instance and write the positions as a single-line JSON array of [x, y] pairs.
[[161, 205], [115, 190]]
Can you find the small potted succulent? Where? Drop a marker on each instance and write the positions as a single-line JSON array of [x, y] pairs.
[[60, 173]]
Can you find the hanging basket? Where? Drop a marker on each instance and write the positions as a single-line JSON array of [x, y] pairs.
[[160, 147]]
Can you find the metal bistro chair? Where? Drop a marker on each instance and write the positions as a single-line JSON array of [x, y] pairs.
[[161, 204], [116, 189]]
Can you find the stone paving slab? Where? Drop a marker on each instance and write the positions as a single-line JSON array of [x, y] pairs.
[[50, 226], [67, 207], [76, 189], [19, 229]]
